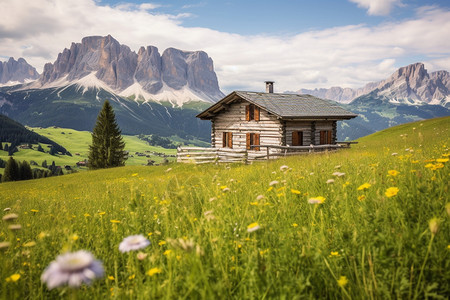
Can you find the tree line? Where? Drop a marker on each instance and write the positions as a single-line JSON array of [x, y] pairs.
[[16, 170]]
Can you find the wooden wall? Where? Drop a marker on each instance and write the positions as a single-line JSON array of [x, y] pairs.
[[272, 131], [233, 120]]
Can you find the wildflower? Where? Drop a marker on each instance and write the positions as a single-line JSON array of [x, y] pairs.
[[253, 227], [294, 225], [4, 245], [168, 170], [361, 198], [364, 186], [115, 221], [330, 181], [133, 242], [111, 277], [338, 174], [284, 168], [342, 281], [154, 271], [30, 244], [334, 254], [442, 160], [345, 184], [434, 225], [274, 182], [393, 173], [316, 200], [337, 167], [13, 278], [15, 227], [260, 197], [87, 215], [254, 203], [167, 252], [225, 190], [394, 154], [34, 210], [134, 175], [296, 192], [162, 243], [10, 217], [7, 209], [72, 268], [391, 192], [74, 237], [101, 213], [212, 199]]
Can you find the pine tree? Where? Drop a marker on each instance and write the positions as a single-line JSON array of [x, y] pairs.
[[1, 147], [11, 171], [107, 149], [25, 171]]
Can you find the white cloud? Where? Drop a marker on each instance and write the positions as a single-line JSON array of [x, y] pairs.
[[378, 7], [346, 56]]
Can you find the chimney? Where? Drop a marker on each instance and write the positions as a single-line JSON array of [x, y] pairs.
[[269, 86]]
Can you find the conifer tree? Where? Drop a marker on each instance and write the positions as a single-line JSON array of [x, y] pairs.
[[25, 171], [1, 147], [12, 172], [107, 148]]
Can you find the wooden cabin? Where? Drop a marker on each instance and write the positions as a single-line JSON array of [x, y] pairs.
[[244, 120]]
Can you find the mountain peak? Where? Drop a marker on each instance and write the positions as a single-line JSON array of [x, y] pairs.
[[126, 71], [410, 85], [14, 72]]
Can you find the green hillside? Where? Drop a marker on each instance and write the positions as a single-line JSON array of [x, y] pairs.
[[370, 222], [77, 143]]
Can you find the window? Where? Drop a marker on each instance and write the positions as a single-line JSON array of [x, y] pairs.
[[297, 138], [227, 139], [252, 112], [252, 140], [325, 137]]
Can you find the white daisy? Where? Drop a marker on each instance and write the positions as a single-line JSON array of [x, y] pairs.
[[133, 242]]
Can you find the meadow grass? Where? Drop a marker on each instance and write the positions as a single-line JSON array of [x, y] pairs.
[[251, 231], [78, 142]]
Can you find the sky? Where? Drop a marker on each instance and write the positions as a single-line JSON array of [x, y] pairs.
[[296, 43]]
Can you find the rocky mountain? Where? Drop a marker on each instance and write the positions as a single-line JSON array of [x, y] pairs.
[[411, 85], [16, 72], [175, 76]]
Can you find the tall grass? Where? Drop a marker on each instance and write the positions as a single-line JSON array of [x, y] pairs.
[[359, 243]]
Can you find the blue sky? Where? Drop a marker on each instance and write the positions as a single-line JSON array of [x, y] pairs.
[[296, 43]]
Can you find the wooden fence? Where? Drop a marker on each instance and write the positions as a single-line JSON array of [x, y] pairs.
[[199, 155]]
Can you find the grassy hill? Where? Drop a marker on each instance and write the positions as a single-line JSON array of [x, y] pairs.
[[77, 143], [368, 222]]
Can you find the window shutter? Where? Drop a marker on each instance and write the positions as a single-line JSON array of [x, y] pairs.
[[256, 113], [230, 139], [322, 137], [247, 141], [247, 112], [224, 139], [329, 137], [294, 138], [256, 141]]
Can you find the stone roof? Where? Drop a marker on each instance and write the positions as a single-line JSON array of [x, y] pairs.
[[284, 106]]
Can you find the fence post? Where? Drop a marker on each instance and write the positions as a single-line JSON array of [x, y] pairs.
[[268, 152]]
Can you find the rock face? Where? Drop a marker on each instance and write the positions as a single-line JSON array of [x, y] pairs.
[[126, 71], [16, 71], [409, 85]]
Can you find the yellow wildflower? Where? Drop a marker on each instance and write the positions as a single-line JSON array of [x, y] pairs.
[[254, 203], [434, 225], [162, 243], [253, 227], [361, 198], [101, 213], [294, 225], [342, 281], [30, 244], [13, 278], [135, 174], [111, 277], [115, 221], [364, 186], [154, 271], [35, 210], [167, 252], [296, 192], [393, 173], [334, 254], [442, 160], [74, 237], [391, 192]]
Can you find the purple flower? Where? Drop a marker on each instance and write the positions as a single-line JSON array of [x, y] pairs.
[[133, 242], [72, 268]]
